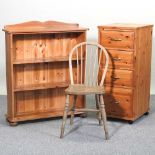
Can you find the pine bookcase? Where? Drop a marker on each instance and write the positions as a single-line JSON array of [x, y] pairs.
[[37, 71]]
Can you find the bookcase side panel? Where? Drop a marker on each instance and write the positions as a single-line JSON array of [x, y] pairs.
[[9, 76]]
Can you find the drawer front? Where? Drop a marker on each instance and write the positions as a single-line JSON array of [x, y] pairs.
[[119, 59], [118, 102], [117, 39], [115, 77]]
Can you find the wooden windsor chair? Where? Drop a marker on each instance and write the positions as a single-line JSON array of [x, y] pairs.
[[87, 80]]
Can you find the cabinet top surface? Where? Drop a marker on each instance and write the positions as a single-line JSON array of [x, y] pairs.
[[41, 27], [124, 25]]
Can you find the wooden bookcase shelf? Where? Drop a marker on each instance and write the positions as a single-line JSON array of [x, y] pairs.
[[43, 60], [37, 55], [42, 86]]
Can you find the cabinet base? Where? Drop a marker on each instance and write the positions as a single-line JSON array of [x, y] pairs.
[[11, 123], [17, 120]]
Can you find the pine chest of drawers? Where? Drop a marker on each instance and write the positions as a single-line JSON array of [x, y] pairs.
[[127, 81]]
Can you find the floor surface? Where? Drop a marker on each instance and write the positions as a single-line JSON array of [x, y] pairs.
[[85, 137]]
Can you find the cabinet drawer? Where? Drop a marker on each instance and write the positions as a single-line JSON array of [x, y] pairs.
[[117, 39], [116, 77], [118, 102], [120, 59]]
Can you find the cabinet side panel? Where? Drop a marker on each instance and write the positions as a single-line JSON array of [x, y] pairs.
[[143, 47]]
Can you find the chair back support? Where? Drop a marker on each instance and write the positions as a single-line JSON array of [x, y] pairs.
[[86, 62]]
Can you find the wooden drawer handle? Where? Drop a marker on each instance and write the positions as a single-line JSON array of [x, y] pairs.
[[115, 78], [117, 59], [115, 39]]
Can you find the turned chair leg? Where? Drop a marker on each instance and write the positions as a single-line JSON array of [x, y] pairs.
[[104, 118], [73, 110], [97, 107], [64, 116]]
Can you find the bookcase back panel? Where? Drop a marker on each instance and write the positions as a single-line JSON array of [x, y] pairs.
[[42, 73], [38, 46], [42, 101]]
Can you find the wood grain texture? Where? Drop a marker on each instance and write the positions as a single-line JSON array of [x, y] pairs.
[[119, 102], [142, 70], [42, 101], [43, 27], [128, 82], [37, 56], [120, 59], [9, 76], [124, 26], [117, 39], [118, 77]]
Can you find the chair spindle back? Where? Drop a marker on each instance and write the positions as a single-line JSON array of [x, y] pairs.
[[85, 61]]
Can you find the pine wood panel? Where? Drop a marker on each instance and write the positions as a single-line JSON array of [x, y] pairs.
[[42, 76], [124, 26], [9, 75], [118, 102], [43, 27], [117, 39], [120, 78], [41, 46], [41, 101], [121, 59], [143, 70]]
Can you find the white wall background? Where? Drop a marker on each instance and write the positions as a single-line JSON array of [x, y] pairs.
[[87, 13]]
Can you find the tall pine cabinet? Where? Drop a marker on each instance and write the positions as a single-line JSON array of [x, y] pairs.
[[127, 82]]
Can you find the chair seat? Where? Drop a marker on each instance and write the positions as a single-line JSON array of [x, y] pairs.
[[81, 89]]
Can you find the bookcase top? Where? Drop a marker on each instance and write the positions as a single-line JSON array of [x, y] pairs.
[[43, 27]]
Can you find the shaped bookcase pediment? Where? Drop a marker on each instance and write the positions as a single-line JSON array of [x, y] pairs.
[[47, 26]]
